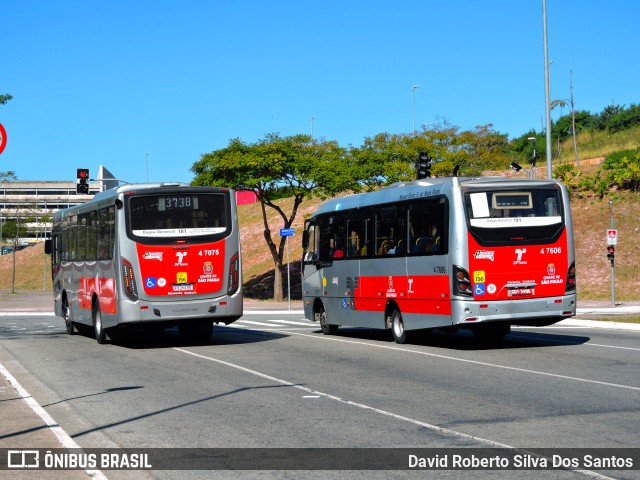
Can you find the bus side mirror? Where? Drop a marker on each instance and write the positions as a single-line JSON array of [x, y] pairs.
[[47, 246], [305, 239]]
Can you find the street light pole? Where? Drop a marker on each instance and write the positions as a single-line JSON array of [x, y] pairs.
[[413, 109], [312, 119], [547, 93], [147, 162]]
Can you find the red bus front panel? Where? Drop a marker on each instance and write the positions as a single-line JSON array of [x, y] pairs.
[[177, 270]]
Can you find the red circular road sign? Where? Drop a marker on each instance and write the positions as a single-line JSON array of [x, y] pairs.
[[3, 138]]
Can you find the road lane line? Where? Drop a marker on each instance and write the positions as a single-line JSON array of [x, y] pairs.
[[63, 437], [386, 413], [27, 314], [464, 360], [262, 324], [589, 344], [341, 400], [289, 322]]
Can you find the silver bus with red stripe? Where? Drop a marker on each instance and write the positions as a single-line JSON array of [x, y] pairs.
[[481, 253], [151, 255]]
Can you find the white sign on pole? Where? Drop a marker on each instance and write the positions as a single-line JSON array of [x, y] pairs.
[[612, 237]]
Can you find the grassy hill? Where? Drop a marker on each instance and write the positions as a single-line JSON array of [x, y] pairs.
[[591, 218], [597, 144]]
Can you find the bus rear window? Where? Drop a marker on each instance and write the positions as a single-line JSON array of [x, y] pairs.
[[526, 214], [178, 215], [505, 209]]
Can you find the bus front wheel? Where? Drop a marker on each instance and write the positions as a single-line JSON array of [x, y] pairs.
[[66, 314], [397, 327], [325, 326]]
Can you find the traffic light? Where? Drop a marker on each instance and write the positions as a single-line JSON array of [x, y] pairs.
[[611, 252], [82, 181], [423, 165]]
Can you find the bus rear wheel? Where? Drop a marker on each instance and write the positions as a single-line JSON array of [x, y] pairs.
[[100, 332], [397, 327]]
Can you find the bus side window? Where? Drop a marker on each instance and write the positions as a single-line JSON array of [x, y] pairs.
[[427, 220], [311, 252]]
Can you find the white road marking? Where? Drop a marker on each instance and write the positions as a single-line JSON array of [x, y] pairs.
[[435, 428], [289, 322], [251, 322], [63, 437], [464, 360]]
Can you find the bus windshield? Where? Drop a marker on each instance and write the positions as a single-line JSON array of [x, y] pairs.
[[178, 215]]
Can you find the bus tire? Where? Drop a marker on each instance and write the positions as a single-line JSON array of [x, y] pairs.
[[98, 328], [66, 314], [325, 326], [397, 327]]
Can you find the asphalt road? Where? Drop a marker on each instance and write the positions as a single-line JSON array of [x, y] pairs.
[[273, 380]]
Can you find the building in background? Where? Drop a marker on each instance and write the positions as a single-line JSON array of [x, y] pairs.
[[35, 201]]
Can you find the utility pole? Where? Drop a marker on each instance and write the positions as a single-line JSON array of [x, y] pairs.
[[573, 119]]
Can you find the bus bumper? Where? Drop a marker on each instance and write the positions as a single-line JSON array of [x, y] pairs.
[[225, 309], [529, 312]]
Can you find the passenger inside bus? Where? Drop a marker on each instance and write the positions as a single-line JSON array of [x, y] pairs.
[[428, 243], [354, 245], [398, 249], [435, 239], [335, 249]]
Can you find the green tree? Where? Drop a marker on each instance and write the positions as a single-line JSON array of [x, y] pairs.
[[5, 98], [383, 159], [485, 150], [387, 158], [298, 164]]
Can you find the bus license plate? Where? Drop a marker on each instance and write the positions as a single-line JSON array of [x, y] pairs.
[[183, 288], [521, 292]]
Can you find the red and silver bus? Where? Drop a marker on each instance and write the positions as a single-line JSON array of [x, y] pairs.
[[152, 255], [480, 253]]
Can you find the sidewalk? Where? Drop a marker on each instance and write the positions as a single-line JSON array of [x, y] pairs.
[[22, 427]]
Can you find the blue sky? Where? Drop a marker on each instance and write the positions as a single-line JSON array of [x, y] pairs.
[[137, 83]]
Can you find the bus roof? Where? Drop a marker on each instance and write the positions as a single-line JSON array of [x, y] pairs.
[[425, 188]]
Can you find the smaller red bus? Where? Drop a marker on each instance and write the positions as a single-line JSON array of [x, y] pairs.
[[478, 253]]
